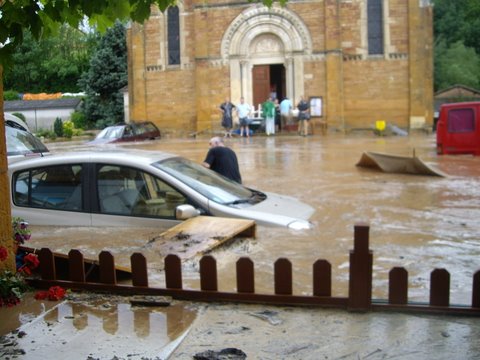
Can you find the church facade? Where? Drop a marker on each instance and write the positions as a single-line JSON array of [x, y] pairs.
[[358, 61]]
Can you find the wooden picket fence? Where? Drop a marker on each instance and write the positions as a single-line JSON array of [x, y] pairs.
[[359, 293]]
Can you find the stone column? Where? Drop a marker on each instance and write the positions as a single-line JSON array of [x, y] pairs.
[[334, 99], [420, 28]]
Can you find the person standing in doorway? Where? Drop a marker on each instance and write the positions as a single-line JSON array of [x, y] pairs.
[[227, 116], [268, 112], [278, 122], [222, 160], [244, 110], [303, 116], [285, 112]]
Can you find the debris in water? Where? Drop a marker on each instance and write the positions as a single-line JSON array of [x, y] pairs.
[[225, 354]]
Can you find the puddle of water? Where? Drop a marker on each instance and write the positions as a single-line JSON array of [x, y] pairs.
[[106, 325]]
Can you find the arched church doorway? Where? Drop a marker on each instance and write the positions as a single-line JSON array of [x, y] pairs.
[[268, 80]]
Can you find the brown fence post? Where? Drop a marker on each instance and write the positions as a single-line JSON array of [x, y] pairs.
[[361, 263], [76, 266], [173, 272], [245, 276], [283, 277], [476, 290], [139, 270], [208, 273], [440, 287], [47, 264], [322, 278], [107, 268], [398, 286]]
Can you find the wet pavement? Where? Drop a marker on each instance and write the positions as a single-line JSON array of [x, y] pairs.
[[418, 222]]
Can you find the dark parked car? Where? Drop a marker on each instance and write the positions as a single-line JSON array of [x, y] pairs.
[[134, 131]]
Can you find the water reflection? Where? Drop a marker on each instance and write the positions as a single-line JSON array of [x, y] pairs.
[[418, 222], [89, 326]]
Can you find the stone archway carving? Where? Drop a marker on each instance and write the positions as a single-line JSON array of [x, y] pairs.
[[256, 20], [259, 22]]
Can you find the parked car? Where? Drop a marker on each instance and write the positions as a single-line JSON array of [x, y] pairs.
[[458, 128], [140, 188], [22, 144], [134, 131], [15, 122]]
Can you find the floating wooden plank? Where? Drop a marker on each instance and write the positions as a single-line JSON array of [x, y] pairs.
[[397, 164], [201, 234]]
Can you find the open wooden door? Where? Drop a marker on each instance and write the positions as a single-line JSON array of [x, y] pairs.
[[261, 84]]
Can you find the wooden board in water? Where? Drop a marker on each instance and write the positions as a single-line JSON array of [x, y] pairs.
[[201, 234], [397, 164]]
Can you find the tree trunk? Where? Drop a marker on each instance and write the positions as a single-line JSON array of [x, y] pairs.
[[6, 238]]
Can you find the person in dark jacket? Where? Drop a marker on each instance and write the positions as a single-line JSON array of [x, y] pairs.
[[222, 160]]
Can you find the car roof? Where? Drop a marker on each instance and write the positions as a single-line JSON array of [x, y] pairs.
[[114, 156]]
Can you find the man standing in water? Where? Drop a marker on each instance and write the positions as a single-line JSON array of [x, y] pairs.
[[227, 117], [222, 160], [244, 110]]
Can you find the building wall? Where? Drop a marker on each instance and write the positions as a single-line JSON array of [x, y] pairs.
[[43, 119], [323, 46]]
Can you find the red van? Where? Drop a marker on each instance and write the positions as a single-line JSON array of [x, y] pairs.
[[458, 128]]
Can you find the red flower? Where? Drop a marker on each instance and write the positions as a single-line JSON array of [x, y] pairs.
[[31, 261], [56, 293], [25, 270], [41, 295], [3, 253]]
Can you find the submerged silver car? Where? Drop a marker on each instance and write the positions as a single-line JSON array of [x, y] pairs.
[[138, 188], [22, 144]]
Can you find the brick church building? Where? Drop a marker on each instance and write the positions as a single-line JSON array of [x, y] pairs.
[[358, 60]]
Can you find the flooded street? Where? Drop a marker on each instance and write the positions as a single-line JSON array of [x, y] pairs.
[[418, 222]]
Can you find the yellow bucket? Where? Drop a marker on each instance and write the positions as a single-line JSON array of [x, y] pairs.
[[380, 125]]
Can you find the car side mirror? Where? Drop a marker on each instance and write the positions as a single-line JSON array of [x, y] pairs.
[[184, 212]]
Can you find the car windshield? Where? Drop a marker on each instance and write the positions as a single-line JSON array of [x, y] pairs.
[[208, 183], [112, 132], [20, 142]]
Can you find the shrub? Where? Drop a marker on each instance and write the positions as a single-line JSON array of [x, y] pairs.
[[79, 120], [20, 115], [10, 95], [68, 129], [49, 134], [58, 127]]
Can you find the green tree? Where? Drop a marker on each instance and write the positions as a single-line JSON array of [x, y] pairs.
[[106, 77], [53, 64], [457, 64], [457, 45]]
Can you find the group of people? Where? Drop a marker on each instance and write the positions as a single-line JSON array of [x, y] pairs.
[[277, 115], [303, 107], [244, 112]]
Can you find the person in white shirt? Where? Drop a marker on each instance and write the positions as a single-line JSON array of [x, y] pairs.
[[244, 111]]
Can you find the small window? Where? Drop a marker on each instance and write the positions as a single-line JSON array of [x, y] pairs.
[[173, 36], [128, 191], [461, 120], [375, 27], [53, 187]]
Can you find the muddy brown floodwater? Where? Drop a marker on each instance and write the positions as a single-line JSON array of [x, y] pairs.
[[418, 222]]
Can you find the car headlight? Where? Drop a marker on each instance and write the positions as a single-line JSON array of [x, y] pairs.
[[300, 225]]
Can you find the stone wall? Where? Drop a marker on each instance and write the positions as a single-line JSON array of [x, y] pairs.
[[357, 89]]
